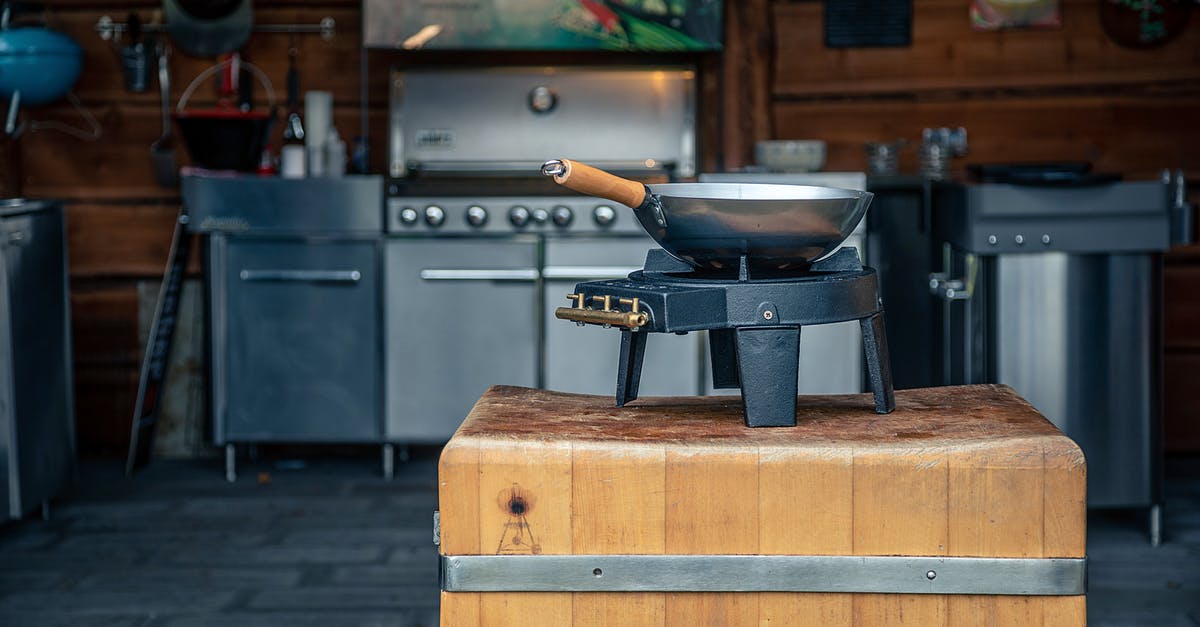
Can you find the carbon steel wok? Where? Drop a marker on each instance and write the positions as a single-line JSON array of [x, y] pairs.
[[711, 225]]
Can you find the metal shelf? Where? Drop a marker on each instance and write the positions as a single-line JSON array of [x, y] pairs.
[[327, 28]]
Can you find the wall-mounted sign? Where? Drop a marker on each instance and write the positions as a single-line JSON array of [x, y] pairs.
[[634, 25], [868, 23], [1009, 14]]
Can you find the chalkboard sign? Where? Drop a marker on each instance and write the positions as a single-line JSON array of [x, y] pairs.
[[868, 23]]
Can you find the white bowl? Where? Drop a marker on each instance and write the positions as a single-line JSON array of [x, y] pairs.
[[790, 155]]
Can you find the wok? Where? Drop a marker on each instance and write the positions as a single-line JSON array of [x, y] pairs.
[[711, 225]]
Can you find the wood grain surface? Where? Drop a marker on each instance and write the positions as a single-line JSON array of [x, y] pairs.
[[961, 471]]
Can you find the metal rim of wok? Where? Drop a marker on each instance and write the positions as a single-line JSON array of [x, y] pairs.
[[782, 227]]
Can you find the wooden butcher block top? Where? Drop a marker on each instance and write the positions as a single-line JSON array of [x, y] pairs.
[[954, 471], [932, 417]]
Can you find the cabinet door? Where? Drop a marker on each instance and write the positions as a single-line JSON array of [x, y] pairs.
[[301, 335], [461, 318], [585, 359]]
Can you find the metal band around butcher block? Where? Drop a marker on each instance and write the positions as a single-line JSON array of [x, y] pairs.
[[764, 573]]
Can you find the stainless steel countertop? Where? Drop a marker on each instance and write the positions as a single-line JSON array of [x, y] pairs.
[[250, 203], [20, 206]]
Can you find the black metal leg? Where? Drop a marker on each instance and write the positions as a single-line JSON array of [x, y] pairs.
[[722, 352], [879, 364], [768, 360], [629, 370]]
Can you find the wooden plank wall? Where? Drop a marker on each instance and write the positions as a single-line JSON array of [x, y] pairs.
[[1069, 94], [1022, 95], [119, 218]]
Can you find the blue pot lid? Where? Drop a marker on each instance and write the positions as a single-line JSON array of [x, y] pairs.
[[32, 41]]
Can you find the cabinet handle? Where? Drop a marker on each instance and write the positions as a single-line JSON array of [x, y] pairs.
[[303, 276], [479, 274], [587, 273]]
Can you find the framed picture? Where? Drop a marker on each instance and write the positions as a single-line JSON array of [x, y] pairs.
[[1010, 14], [635, 25]]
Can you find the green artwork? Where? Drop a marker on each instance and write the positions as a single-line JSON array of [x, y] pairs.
[[645, 25]]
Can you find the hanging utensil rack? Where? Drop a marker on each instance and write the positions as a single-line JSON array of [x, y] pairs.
[[327, 28]]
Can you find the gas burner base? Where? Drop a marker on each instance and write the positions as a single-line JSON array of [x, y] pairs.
[[753, 325]]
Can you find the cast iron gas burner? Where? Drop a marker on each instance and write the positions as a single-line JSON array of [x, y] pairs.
[[753, 319]]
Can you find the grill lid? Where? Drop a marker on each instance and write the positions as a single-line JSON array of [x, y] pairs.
[[510, 120]]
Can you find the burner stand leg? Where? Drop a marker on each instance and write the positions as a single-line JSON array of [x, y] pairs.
[[722, 353], [879, 364], [768, 360], [629, 370]]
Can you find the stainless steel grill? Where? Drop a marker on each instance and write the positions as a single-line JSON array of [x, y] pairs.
[[480, 248]]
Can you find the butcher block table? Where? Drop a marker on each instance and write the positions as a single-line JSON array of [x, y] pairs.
[[560, 509]]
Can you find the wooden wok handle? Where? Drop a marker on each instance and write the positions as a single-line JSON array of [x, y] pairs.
[[585, 179]]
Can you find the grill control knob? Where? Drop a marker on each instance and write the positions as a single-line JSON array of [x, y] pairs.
[[408, 216], [562, 215], [604, 215], [434, 215], [519, 216], [540, 216], [476, 216]]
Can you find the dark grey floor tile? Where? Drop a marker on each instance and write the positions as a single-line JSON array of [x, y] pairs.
[[421, 617], [18, 581], [74, 559], [27, 538], [1160, 574], [269, 555], [263, 507], [370, 536], [198, 536], [1138, 618], [408, 555], [196, 579], [109, 511], [359, 520], [342, 598], [416, 573], [52, 618], [1106, 601], [118, 603]]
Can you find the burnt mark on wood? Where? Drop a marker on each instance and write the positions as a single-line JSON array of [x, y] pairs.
[[517, 537], [516, 501]]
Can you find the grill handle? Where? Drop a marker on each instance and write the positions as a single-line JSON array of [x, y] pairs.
[[302, 276], [480, 274], [587, 273]]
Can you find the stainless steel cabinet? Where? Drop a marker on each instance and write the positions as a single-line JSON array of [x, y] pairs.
[[37, 431], [584, 359], [1057, 291], [1079, 341], [296, 339], [462, 316]]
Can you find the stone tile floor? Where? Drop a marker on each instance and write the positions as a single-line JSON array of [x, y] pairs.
[[328, 542], [323, 542]]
